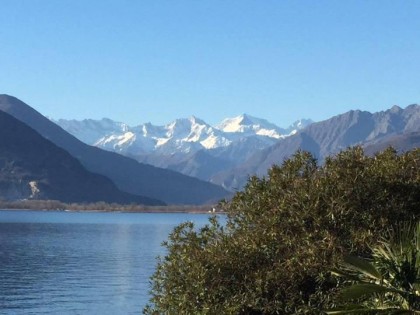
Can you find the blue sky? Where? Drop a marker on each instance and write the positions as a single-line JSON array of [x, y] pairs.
[[138, 61]]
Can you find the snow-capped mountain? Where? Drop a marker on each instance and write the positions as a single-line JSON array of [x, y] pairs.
[[187, 145], [399, 127], [247, 125], [185, 135]]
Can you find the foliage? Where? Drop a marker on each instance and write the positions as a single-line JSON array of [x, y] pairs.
[[283, 235], [390, 283]]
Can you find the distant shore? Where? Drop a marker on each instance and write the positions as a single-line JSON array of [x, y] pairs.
[[53, 205]]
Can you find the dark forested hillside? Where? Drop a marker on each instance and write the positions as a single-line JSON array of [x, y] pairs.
[[32, 167]]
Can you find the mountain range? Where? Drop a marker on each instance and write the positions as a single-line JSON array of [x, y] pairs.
[[214, 160], [187, 145], [228, 153], [375, 131], [129, 175], [185, 135]]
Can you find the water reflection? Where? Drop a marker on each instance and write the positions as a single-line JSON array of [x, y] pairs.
[[80, 263]]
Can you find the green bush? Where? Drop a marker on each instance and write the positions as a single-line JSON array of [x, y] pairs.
[[283, 235]]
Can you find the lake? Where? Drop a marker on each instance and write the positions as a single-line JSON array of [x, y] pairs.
[[55, 262]]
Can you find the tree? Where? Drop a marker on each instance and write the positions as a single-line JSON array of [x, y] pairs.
[[283, 235], [390, 282]]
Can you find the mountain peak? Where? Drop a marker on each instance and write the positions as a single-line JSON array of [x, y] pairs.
[[395, 109], [246, 123], [246, 119], [15, 106], [6, 97], [186, 122], [195, 120]]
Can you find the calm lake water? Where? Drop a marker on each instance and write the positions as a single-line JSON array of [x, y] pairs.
[[80, 263]]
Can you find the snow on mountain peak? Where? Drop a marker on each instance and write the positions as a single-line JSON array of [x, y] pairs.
[[248, 124], [185, 135], [232, 124], [195, 120], [187, 128]]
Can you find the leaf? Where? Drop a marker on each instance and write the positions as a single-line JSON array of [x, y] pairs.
[[361, 289], [363, 266]]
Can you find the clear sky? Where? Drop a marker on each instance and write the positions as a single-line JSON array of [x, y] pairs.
[[137, 61]]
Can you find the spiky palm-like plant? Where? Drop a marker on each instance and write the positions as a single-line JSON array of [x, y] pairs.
[[389, 283]]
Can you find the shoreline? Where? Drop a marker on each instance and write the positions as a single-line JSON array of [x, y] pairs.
[[55, 205], [188, 210]]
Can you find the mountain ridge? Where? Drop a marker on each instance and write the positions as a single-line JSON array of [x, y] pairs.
[[186, 145], [324, 138], [32, 167], [128, 174], [182, 134]]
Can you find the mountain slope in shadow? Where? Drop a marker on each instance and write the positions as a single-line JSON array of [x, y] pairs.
[[129, 175], [32, 167]]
